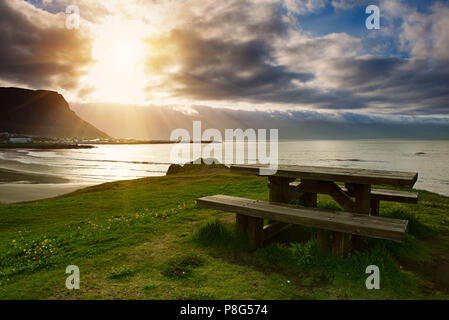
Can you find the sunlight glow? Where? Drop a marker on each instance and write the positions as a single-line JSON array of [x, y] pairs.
[[119, 51]]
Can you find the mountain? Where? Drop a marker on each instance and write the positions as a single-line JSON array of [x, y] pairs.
[[42, 113]]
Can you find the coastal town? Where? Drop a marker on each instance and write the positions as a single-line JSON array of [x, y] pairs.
[[13, 140], [6, 137]]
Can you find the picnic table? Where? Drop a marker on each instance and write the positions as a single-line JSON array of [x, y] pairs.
[[341, 232]]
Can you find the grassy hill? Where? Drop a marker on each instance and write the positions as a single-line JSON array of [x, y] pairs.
[[145, 239]]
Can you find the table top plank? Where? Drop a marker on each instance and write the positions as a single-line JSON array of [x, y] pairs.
[[347, 175]]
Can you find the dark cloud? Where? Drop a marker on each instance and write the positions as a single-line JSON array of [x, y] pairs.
[[218, 69], [420, 84], [365, 72], [37, 50], [248, 52], [269, 61]]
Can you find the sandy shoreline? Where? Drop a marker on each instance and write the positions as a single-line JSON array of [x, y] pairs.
[[20, 186], [12, 176], [18, 192]]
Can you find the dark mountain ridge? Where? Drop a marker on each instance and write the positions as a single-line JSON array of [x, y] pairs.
[[42, 113]]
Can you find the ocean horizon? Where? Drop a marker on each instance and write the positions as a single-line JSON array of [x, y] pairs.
[[28, 174]]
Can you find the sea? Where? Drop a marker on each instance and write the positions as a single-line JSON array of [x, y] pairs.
[[104, 163]]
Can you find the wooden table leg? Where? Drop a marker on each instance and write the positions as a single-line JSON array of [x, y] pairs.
[[362, 193], [241, 222], [280, 190], [324, 241], [309, 199], [341, 244], [375, 203], [308, 190], [255, 232]]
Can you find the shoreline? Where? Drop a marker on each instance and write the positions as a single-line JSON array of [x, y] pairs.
[[91, 145], [12, 176], [44, 146], [17, 193], [20, 186]]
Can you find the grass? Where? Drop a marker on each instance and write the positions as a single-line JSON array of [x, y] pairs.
[[146, 239], [182, 267], [215, 234], [120, 273], [340, 272]]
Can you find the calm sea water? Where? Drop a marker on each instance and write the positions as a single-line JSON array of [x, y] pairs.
[[118, 162]]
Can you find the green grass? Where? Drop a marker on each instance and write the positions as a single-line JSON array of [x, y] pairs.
[[218, 235], [182, 267], [146, 239], [120, 273]]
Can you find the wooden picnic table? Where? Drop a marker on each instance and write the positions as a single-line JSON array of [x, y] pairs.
[[322, 180]]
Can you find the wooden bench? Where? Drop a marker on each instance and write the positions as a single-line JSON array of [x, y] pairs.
[[379, 194], [251, 214], [356, 198]]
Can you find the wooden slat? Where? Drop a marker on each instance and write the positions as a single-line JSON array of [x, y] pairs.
[[383, 194], [395, 195], [392, 195], [376, 227], [350, 175], [326, 187]]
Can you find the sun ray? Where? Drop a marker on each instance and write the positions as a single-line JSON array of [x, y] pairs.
[[118, 75]]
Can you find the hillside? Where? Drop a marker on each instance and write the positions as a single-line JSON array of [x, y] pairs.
[[41, 113], [146, 239]]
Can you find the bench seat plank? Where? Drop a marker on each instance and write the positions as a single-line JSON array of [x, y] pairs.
[[358, 224], [383, 194], [395, 195]]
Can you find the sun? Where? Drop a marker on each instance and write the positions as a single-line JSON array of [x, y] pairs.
[[119, 52]]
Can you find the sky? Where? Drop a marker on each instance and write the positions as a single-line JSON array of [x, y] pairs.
[[314, 58]]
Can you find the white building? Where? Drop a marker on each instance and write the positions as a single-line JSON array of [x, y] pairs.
[[20, 140]]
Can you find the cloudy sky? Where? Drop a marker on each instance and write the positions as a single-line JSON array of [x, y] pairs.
[[313, 57]]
